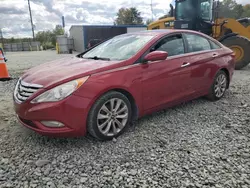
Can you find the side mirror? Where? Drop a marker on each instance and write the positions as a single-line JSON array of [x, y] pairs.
[[156, 56]]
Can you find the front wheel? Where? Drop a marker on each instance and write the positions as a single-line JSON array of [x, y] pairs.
[[109, 116], [219, 86]]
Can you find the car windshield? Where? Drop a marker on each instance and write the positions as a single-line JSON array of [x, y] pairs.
[[121, 47]]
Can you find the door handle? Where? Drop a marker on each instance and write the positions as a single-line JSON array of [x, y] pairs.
[[215, 55], [185, 64]]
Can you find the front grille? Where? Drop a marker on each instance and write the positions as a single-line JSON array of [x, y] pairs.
[[24, 90]]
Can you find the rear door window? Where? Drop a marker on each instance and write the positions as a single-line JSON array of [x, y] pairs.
[[172, 44], [214, 45], [196, 43]]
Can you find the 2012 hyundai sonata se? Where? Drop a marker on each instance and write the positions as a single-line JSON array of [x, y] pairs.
[[103, 89]]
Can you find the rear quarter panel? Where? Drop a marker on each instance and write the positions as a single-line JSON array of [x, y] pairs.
[[225, 61]]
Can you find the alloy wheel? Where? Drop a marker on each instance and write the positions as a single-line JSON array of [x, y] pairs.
[[220, 85], [112, 117]]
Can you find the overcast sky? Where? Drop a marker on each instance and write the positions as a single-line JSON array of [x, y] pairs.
[[15, 20]]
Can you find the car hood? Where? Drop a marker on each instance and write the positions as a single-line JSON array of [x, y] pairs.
[[53, 72]]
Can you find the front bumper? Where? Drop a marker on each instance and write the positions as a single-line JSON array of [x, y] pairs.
[[72, 112]]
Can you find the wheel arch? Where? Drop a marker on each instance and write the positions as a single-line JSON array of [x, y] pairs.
[[228, 75], [128, 94], [135, 108]]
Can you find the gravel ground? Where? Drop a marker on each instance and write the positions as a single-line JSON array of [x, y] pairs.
[[197, 144]]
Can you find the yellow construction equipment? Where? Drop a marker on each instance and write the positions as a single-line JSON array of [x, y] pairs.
[[203, 16], [165, 23], [233, 34]]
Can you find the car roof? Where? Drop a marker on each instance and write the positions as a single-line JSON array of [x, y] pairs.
[[159, 32], [162, 32], [152, 32]]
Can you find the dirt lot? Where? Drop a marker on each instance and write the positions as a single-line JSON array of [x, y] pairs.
[[197, 144]]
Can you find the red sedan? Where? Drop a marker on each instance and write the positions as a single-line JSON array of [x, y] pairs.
[[103, 89]]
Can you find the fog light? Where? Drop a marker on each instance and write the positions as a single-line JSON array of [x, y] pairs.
[[52, 124]]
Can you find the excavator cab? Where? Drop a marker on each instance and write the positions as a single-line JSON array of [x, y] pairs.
[[194, 15]]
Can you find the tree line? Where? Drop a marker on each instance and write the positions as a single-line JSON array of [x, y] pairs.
[[46, 38], [228, 9], [232, 9]]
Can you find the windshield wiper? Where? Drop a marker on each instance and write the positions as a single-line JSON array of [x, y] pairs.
[[98, 58]]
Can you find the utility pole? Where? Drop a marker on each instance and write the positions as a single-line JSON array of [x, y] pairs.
[[152, 12], [1, 35], [31, 21]]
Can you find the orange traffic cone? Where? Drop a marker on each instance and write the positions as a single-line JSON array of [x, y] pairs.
[[4, 75]]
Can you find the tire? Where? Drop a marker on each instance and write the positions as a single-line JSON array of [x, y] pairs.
[[242, 42], [213, 95], [98, 117]]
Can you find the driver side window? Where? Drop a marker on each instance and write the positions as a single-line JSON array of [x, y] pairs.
[[173, 45]]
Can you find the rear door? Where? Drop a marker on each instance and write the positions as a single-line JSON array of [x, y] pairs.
[[168, 80], [202, 54]]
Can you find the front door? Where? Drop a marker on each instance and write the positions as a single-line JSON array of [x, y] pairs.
[[168, 80]]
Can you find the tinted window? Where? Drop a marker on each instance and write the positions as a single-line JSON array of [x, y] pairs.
[[184, 10], [206, 7], [197, 43], [173, 45]]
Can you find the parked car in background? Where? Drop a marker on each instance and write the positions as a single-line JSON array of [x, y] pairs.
[[93, 42], [103, 89]]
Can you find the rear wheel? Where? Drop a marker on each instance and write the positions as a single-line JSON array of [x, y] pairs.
[[241, 47], [109, 116], [219, 86]]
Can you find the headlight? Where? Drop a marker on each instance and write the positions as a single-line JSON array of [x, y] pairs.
[[60, 92]]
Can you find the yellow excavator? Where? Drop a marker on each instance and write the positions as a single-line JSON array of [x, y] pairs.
[[203, 16], [164, 23]]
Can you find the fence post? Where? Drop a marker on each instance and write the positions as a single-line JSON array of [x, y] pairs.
[[57, 48], [1, 47]]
